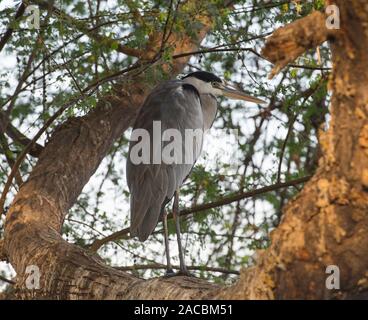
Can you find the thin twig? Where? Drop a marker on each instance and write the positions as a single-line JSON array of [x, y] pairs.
[[7, 280], [259, 8], [212, 50], [291, 126], [9, 157], [317, 68], [117, 243], [107, 41], [25, 74], [10, 30]]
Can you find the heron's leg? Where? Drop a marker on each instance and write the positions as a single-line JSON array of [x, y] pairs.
[[169, 270], [183, 268]]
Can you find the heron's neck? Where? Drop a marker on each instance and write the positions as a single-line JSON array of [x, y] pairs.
[[208, 101], [209, 110]]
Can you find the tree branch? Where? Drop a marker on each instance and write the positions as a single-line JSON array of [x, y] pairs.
[[326, 224], [124, 233], [7, 280], [3, 256], [71, 156], [18, 137], [289, 42]]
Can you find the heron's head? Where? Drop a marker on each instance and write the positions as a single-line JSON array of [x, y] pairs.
[[208, 83]]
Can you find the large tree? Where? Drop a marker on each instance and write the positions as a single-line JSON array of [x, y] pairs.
[[108, 71]]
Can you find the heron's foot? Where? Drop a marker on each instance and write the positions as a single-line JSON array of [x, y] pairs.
[[169, 273], [182, 273]]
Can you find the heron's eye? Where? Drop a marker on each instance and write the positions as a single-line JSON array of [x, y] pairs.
[[215, 84]]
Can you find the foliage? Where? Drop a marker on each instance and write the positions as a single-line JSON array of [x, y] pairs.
[[64, 59]]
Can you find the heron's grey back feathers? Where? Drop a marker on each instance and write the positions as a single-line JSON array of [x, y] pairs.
[[151, 186]]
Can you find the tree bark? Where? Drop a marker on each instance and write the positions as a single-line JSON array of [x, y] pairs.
[[72, 155], [325, 224]]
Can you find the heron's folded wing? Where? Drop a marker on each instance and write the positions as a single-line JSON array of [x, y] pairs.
[[176, 107]]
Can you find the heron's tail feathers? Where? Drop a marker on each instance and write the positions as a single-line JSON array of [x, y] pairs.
[[144, 215], [142, 228], [148, 196]]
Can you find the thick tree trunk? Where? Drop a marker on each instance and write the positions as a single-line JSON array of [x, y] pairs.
[[326, 224]]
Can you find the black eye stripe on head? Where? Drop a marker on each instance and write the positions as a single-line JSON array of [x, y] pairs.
[[204, 76]]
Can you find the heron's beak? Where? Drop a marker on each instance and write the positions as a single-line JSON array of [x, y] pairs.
[[232, 93]]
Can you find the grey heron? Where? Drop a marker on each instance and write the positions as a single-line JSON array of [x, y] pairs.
[[189, 103]]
